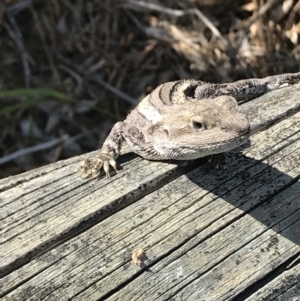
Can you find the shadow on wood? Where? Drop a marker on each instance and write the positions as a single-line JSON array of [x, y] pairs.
[[208, 234]]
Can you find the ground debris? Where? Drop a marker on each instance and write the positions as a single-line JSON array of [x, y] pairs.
[[102, 56]]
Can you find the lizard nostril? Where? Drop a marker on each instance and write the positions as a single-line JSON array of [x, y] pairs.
[[166, 132]]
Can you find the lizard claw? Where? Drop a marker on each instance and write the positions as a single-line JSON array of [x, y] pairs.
[[93, 165]]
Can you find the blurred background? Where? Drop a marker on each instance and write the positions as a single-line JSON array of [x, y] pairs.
[[69, 69]]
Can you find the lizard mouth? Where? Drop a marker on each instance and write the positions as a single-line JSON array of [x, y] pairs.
[[230, 142], [212, 148], [222, 139]]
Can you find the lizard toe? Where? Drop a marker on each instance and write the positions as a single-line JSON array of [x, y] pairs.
[[92, 166]]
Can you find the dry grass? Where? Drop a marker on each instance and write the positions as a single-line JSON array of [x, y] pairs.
[[105, 55]]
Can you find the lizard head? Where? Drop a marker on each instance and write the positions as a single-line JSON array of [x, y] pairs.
[[200, 128]]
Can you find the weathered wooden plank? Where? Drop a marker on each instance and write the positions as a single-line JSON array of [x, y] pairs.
[[217, 268], [173, 220], [242, 268], [142, 286], [40, 211], [284, 287], [47, 205], [290, 294], [15, 180], [274, 108]]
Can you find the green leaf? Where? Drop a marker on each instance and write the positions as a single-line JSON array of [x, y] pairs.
[[37, 92], [32, 96]]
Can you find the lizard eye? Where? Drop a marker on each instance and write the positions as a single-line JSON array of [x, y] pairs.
[[198, 125]]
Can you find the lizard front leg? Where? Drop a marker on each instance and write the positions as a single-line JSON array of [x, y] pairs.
[[107, 156]]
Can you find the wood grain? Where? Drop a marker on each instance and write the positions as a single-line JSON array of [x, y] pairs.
[[286, 286], [181, 218], [207, 234]]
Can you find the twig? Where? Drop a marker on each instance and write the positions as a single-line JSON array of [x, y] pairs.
[[176, 13], [263, 10], [33, 149], [157, 33], [291, 16], [16, 35], [97, 66], [43, 36], [75, 75], [16, 8], [97, 79]]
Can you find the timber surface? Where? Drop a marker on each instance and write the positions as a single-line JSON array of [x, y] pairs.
[[208, 234]]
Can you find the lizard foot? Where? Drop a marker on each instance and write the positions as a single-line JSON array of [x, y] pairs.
[[93, 165]]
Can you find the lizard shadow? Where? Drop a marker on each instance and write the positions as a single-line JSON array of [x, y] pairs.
[[263, 189], [258, 188]]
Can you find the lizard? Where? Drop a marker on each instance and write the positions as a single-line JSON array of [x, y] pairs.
[[185, 120]]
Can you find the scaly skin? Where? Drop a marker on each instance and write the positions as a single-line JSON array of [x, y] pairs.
[[185, 120]]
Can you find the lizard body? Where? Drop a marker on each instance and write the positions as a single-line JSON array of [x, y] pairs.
[[185, 119]]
